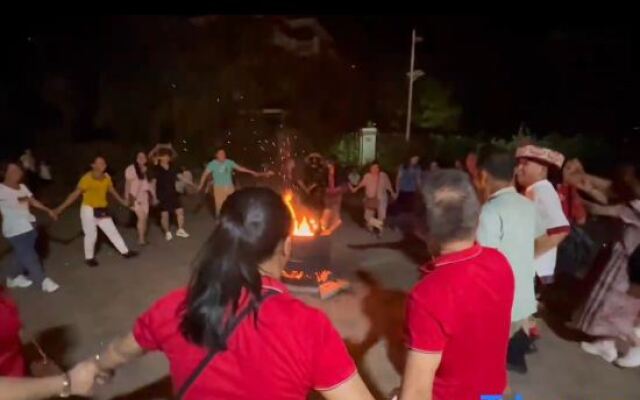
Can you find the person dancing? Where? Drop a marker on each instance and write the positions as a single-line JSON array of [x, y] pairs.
[[139, 190], [17, 227], [94, 214], [221, 169], [166, 176]]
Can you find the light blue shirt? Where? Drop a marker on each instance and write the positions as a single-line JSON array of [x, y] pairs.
[[222, 172], [508, 223]]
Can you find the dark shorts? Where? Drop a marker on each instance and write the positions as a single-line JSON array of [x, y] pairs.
[[169, 203]]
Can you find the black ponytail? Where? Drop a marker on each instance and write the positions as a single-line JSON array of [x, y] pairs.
[[253, 222]]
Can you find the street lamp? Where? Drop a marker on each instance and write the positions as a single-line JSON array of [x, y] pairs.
[[413, 76]]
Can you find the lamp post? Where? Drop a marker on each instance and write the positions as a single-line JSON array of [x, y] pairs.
[[413, 75]]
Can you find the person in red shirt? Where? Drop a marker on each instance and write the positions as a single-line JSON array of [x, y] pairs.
[[11, 358], [14, 384], [280, 348], [458, 315]]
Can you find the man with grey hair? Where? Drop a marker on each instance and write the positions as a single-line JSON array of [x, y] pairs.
[[459, 314]]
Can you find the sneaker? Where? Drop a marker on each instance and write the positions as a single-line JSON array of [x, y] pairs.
[[182, 233], [49, 286], [19, 281], [603, 348], [130, 254], [631, 359], [92, 262], [168, 236]]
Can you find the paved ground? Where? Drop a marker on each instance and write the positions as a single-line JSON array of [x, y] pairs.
[[94, 305]]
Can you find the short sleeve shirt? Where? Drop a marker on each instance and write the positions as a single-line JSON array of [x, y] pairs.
[[292, 350], [222, 172], [462, 310], [14, 206], [507, 223], [94, 191], [550, 219]]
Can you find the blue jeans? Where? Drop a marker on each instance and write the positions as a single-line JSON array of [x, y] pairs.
[[26, 259]]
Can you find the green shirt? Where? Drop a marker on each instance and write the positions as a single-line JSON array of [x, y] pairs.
[[222, 172], [508, 223]]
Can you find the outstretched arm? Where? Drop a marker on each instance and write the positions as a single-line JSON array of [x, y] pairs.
[[119, 352], [33, 202], [80, 378], [69, 200], [203, 179], [117, 196]]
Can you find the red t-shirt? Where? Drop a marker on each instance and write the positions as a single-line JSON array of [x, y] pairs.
[[462, 309], [11, 359], [572, 204], [293, 350]]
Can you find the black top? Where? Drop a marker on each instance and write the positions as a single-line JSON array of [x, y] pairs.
[[165, 181]]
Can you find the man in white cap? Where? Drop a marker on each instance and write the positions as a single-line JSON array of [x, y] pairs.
[[552, 226]]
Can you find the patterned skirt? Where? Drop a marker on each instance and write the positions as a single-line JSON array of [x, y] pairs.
[[609, 310]]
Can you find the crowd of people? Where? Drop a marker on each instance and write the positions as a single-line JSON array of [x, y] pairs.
[[495, 227]]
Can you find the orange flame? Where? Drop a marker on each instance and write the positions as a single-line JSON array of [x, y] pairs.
[[304, 227]]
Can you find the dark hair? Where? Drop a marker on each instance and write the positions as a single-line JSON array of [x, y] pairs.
[[452, 206], [253, 222], [165, 152], [4, 166], [499, 163], [141, 175]]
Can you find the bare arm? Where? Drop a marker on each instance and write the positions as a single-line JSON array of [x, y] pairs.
[[586, 185], [81, 377], [599, 183], [31, 388], [547, 242], [33, 202], [127, 188], [117, 196], [120, 351], [419, 374], [353, 389], [605, 211], [69, 200], [240, 168], [203, 179]]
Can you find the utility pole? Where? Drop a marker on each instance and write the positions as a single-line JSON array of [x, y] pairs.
[[413, 75]]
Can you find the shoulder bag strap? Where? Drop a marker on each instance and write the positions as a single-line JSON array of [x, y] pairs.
[[205, 362]]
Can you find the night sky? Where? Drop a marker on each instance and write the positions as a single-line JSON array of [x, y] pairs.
[[569, 76], [563, 75]]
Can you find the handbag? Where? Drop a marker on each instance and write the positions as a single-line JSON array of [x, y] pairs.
[[101, 212], [233, 324], [371, 203]]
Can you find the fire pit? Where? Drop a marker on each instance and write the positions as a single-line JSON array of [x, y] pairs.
[[309, 269]]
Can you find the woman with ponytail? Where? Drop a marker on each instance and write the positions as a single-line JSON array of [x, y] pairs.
[[236, 332]]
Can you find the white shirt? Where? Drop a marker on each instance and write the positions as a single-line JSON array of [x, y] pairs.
[[550, 217], [14, 206]]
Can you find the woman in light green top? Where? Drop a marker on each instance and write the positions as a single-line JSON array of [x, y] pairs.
[[221, 169]]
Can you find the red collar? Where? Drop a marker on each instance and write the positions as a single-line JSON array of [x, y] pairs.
[[452, 258], [269, 283]]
